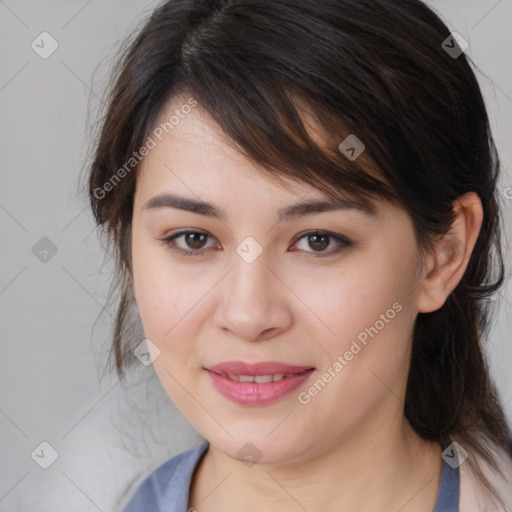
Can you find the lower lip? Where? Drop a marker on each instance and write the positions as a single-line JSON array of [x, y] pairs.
[[252, 393]]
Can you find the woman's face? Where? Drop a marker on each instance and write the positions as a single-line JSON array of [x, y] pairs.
[[256, 289]]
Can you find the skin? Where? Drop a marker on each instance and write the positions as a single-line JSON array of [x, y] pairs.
[[350, 447]]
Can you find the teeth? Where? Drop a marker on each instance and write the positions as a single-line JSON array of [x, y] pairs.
[[260, 379], [263, 378]]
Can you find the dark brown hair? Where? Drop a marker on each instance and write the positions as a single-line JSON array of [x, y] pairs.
[[373, 68]]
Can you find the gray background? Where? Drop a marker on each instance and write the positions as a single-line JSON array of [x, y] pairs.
[[53, 389]]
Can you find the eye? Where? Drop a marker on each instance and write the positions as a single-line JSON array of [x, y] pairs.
[[194, 242], [320, 240]]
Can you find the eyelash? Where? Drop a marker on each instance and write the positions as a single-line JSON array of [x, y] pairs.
[[343, 241]]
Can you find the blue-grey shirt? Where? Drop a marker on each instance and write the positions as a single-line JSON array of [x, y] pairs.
[[166, 489]]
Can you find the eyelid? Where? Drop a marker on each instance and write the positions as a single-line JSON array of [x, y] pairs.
[[342, 240]]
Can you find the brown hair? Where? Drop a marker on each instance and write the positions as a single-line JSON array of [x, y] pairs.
[[373, 68]]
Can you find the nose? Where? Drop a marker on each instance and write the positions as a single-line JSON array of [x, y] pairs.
[[254, 303]]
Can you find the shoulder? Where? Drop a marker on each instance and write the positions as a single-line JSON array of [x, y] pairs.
[[474, 497], [167, 487]]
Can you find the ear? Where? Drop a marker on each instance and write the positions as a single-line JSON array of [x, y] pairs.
[[447, 264]]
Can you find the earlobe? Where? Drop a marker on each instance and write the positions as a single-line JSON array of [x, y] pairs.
[[447, 264]]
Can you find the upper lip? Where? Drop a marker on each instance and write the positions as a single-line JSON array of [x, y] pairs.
[[261, 368]]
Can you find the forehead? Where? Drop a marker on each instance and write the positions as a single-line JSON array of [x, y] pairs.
[[194, 157], [193, 149]]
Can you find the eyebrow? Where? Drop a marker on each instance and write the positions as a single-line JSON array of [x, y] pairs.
[[284, 214]]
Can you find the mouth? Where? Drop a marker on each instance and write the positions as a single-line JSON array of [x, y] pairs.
[[257, 384], [259, 379], [263, 368]]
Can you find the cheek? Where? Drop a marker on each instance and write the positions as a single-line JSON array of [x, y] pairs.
[[167, 304], [374, 352], [368, 310], [346, 301], [171, 301], [163, 293]]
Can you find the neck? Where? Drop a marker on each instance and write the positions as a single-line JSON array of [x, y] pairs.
[[392, 469]]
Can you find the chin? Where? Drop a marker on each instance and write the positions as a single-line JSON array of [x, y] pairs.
[[259, 449]]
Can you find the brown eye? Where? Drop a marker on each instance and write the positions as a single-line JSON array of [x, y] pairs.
[[193, 242], [319, 241]]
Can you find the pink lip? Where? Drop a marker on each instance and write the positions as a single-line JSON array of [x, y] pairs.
[[252, 393]]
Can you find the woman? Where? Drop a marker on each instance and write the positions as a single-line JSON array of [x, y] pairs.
[[301, 197]]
